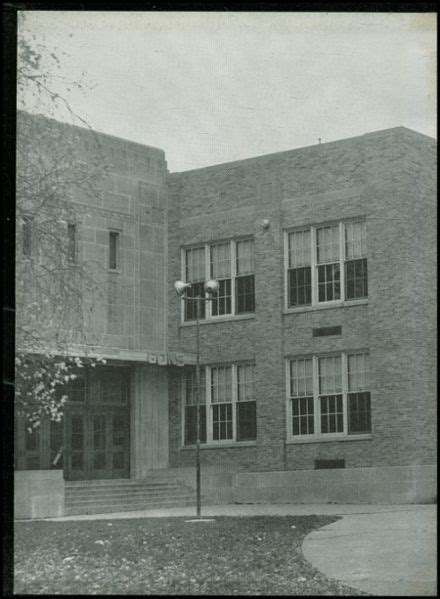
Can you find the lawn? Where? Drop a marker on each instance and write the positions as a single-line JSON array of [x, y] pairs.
[[157, 556]]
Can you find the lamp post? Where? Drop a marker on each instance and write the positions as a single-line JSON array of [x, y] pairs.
[[210, 287]]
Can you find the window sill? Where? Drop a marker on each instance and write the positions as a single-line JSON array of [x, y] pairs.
[[330, 439], [115, 271], [227, 445], [346, 304], [228, 318]]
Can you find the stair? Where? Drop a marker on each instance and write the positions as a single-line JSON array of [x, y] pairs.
[[120, 495]]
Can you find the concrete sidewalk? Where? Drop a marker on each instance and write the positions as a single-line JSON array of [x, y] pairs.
[[383, 553], [380, 549]]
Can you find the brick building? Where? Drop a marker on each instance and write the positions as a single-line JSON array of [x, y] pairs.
[[318, 353]]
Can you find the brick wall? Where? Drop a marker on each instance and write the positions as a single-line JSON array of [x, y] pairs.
[[385, 177]]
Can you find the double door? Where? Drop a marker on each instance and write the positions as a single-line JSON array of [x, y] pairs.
[[97, 443]]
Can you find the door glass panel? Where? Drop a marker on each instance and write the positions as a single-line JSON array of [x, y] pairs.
[[77, 433], [118, 431], [99, 442], [98, 432], [56, 445]]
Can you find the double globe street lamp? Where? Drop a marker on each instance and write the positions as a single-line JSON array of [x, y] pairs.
[[210, 289]]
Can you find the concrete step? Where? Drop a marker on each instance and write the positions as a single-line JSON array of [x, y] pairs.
[[112, 499], [73, 510], [123, 488], [122, 491], [106, 496]]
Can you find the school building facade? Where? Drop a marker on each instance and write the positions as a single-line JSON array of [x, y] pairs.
[[318, 353]]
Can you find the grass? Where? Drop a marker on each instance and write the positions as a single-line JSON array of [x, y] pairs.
[[159, 556]]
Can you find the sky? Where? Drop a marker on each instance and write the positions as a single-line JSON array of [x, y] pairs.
[[210, 87]]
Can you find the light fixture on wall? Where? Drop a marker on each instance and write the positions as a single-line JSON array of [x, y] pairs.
[[265, 223]]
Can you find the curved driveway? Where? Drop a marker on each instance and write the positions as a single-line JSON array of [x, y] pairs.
[[383, 553]]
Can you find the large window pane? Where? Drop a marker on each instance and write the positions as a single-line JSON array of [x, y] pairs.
[[221, 422], [299, 286], [244, 257], [196, 290], [195, 264], [356, 279], [355, 240], [221, 384], [299, 249], [331, 414], [221, 260], [246, 421], [302, 416], [359, 413], [329, 282], [221, 302], [330, 375], [191, 424], [245, 294], [327, 244]]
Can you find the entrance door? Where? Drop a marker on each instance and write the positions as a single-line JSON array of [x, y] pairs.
[[98, 428]]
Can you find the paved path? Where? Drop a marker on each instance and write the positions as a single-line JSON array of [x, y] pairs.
[[380, 549], [384, 553]]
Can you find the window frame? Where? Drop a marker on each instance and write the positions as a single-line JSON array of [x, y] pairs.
[[314, 266], [209, 316], [72, 254], [117, 234], [318, 435], [210, 441]]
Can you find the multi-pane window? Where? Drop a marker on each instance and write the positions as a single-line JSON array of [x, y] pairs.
[[221, 403], [114, 258], [231, 263], [226, 401], [195, 274], [299, 282], [220, 269], [244, 280], [329, 395], [301, 394], [359, 410], [246, 405], [356, 280], [327, 264], [71, 242], [192, 400]]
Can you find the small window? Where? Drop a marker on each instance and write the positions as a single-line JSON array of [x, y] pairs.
[[27, 237], [71, 243], [113, 250]]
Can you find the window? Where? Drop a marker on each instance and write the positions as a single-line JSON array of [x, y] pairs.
[[244, 281], [220, 269], [195, 274], [356, 280], [359, 410], [231, 263], [190, 408], [71, 243], [26, 230], [329, 396], [326, 264], [226, 401], [299, 273], [301, 393], [113, 250]]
